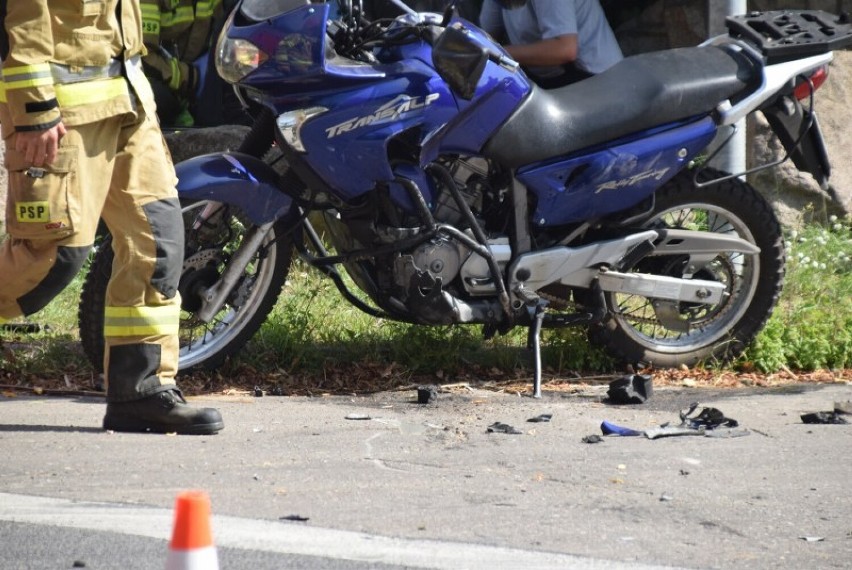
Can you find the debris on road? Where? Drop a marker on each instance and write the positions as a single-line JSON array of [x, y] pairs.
[[498, 427], [630, 389], [611, 429], [427, 394], [831, 417], [358, 417], [709, 422], [541, 418]]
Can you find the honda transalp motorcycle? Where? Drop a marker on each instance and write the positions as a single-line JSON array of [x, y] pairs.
[[453, 190]]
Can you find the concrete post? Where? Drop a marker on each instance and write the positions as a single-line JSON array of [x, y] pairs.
[[732, 157]]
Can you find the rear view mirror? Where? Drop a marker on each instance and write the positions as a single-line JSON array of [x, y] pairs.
[[459, 61]]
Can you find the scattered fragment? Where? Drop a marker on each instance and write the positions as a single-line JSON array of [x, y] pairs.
[[427, 394], [358, 417], [611, 429], [668, 431], [541, 418], [812, 538], [594, 438], [498, 427], [823, 418], [710, 418], [666, 498], [294, 518], [630, 389], [78, 564], [726, 433]]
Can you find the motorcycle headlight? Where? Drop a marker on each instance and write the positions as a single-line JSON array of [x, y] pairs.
[[236, 57]]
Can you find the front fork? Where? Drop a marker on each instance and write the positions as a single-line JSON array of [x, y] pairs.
[[214, 297]]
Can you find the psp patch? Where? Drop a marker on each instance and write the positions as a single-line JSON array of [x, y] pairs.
[[37, 212]]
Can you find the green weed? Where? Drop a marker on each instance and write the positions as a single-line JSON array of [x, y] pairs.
[[312, 328]]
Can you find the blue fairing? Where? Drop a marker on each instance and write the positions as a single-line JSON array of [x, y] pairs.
[[237, 179], [614, 178], [371, 105]]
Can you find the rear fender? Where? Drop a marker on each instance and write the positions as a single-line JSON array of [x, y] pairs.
[[791, 121], [237, 179]]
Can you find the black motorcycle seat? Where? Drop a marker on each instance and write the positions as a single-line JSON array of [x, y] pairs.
[[637, 93]]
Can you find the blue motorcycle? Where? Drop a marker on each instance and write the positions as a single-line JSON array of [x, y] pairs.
[[453, 190]]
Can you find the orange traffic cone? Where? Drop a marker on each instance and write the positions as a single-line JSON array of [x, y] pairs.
[[192, 547]]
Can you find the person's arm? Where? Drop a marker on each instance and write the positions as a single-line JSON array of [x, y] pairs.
[[558, 42], [181, 77], [548, 52], [28, 83]]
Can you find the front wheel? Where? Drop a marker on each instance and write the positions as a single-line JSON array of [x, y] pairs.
[[209, 247], [670, 333]]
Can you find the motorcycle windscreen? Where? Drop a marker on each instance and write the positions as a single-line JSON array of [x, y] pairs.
[[297, 53], [609, 179]]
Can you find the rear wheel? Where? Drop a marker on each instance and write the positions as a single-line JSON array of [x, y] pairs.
[[670, 333], [208, 250]]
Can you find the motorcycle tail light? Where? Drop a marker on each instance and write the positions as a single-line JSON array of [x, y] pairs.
[[803, 89], [236, 58]]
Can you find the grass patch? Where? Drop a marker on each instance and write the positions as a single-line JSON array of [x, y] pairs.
[[315, 334], [812, 327]]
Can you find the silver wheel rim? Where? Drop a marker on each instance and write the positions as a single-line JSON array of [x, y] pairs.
[[714, 323], [200, 341]]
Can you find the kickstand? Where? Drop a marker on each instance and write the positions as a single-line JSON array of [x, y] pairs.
[[534, 342]]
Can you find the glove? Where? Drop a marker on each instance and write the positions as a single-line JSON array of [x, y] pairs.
[[185, 80]]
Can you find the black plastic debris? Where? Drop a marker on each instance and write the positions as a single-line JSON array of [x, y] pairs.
[[427, 394], [594, 438], [823, 418], [499, 427], [541, 418], [709, 418], [294, 518], [258, 392], [630, 389]]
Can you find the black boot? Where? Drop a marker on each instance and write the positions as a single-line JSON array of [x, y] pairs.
[[164, 412]]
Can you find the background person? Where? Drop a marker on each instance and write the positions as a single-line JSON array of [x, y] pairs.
[[556, 41], [179, 35]]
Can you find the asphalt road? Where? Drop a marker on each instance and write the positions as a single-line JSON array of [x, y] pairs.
[[427, 486]]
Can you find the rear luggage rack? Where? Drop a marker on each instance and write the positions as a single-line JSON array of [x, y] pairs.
[[783, 35]]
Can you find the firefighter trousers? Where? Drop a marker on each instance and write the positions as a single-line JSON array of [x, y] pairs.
[[118, 169]]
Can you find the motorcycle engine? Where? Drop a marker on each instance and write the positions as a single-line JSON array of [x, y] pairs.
[[446, 258], [443, 263]]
